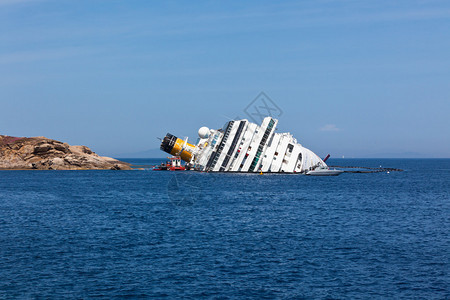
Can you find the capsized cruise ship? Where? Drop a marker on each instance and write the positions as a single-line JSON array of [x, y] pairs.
[[243, 146]]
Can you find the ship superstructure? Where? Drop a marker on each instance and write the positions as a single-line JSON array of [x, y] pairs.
[[243, 146]]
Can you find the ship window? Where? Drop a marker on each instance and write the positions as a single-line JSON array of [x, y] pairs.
[[276, 153]]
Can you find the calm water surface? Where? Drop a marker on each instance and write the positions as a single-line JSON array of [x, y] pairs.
[[115, 234]]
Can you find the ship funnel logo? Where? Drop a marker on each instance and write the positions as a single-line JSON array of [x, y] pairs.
[[261, 107]]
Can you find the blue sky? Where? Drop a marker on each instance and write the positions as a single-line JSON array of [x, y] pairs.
[[353, 78]]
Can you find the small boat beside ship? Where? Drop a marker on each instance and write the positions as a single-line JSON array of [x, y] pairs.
[[173, 164], [324, 172]]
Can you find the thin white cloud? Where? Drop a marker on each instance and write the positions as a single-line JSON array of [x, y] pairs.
[[46, 54], [329, 127], [14, 2], [274, 17]]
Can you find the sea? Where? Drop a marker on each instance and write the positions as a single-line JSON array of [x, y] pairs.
[[189, 235]]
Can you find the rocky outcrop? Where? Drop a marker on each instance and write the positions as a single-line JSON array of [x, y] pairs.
[[42, 153]]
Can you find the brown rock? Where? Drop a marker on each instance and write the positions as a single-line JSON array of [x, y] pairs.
[[40, 149], [46, 154], [61, 147]]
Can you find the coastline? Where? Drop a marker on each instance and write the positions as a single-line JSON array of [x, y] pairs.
[[41, 153]]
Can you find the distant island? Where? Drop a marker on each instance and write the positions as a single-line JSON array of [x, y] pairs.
[[41, 153]]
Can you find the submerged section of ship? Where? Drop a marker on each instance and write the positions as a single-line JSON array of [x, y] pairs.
[[243, 146]]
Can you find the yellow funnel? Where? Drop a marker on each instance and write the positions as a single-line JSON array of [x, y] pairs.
[[177, 147]]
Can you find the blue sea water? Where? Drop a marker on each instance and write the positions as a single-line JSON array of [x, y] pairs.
[[142, 233]]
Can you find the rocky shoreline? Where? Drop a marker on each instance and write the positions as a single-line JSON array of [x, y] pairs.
[[41, 153]]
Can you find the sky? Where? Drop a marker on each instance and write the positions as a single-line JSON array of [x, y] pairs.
[[351, 78]]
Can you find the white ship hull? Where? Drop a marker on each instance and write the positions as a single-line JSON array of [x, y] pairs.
[[242, 146]]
